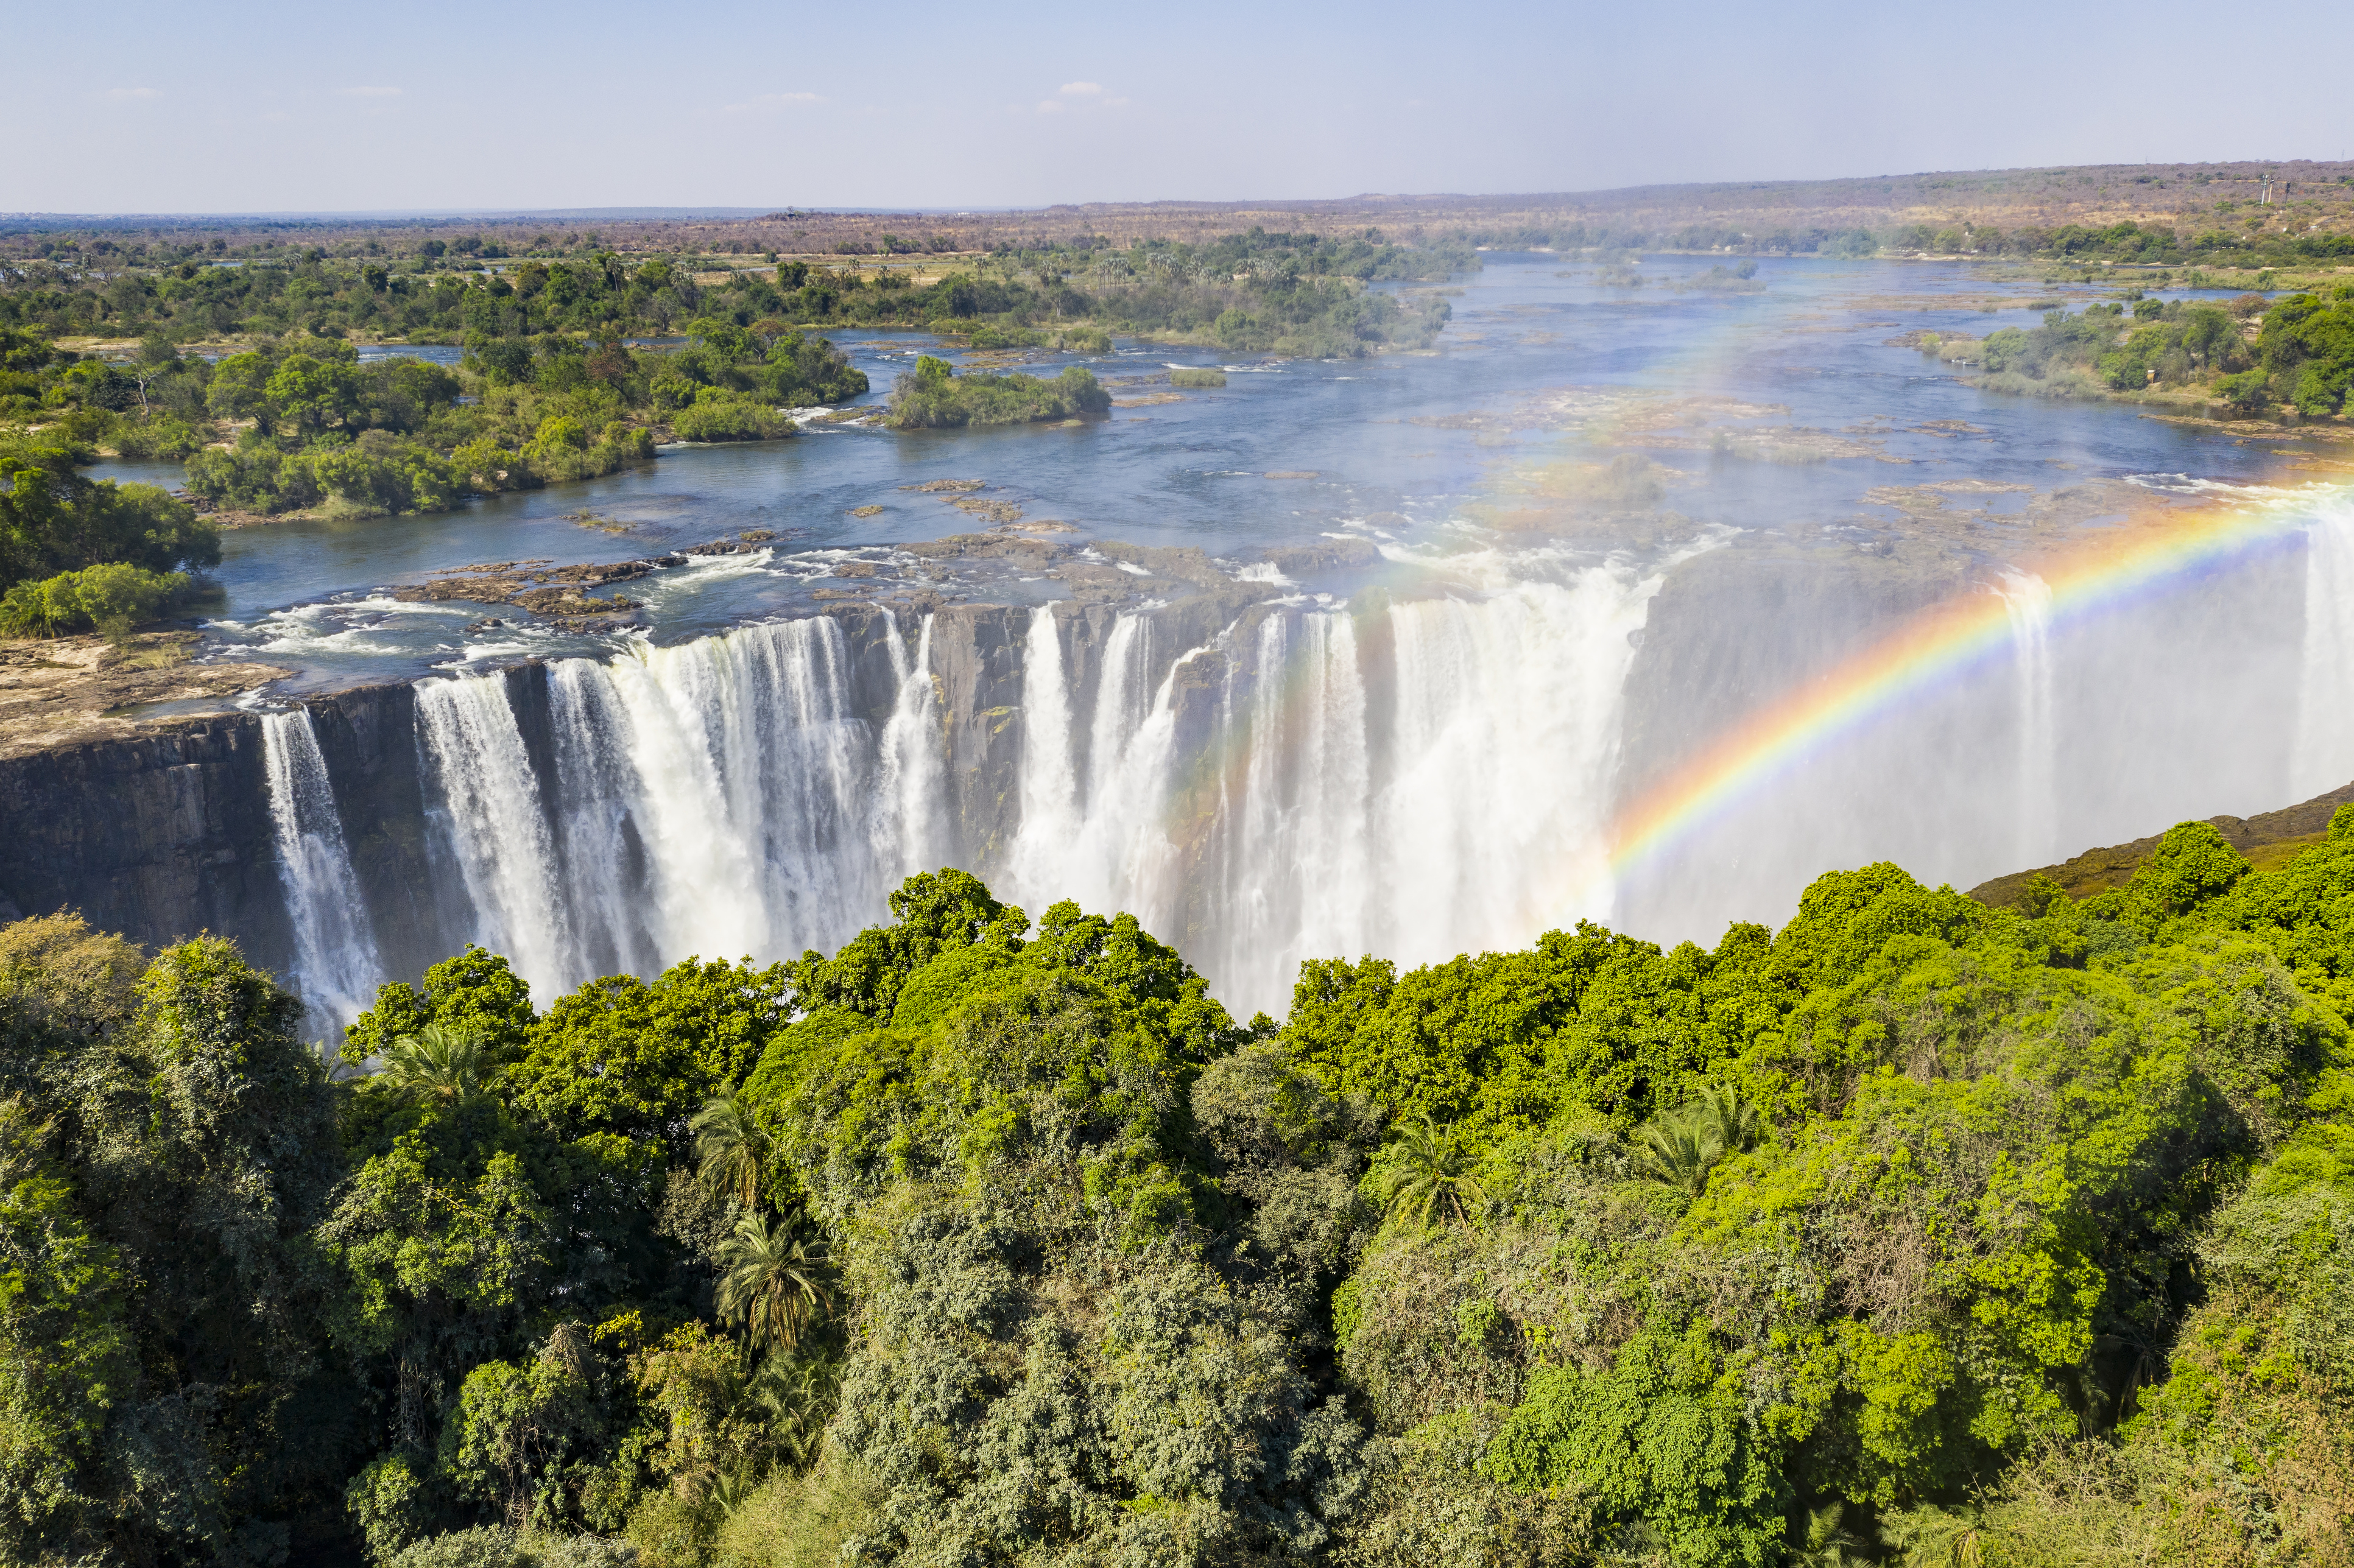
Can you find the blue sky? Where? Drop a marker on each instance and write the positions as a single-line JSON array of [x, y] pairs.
[[271, 107]]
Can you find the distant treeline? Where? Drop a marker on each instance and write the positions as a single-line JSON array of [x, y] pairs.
[[2131, 242], [1294, 293]]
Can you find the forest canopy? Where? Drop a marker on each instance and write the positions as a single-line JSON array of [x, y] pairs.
[[1914, 1230]]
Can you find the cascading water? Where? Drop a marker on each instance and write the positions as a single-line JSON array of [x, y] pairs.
[[1462, 799], [498, 834], [1413, 778], [335, 963], [719, 798], [2323, 757], [1405, 780], [2027, 598]]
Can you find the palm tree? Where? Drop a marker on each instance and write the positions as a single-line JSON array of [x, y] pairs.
[[1826, 1546], [774, 1283], [1432, 1173], [1678, 1149], [731, 1147], [439, 1065]]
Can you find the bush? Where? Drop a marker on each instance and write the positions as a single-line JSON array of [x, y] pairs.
[[1193, 377], [2250, 392], [717, 415], [943, 401], [112, 599], [487, 1546], [1086, 340], [160, 436], [803, 1520]]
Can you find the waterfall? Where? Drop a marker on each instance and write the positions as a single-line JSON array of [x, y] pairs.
[[497, 833], [335, 964], [1049, 774], [720, 799], [1298, 871], [2323, 756], [1409, 778], [1496, 818], [2027, 598], [912, 785]]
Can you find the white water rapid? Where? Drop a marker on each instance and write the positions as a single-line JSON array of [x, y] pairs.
[[335, 965]]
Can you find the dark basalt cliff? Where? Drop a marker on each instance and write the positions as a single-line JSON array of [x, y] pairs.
[[159, 835], [169, 833]]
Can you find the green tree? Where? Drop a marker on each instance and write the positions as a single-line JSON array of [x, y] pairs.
[[731, 1147], [1679, 1151], [775, 1284], [1431, 1174], [442, 1065]]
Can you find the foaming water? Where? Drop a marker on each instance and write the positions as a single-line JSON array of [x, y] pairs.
[[2324, 755], [335, 965], [1408, 779]]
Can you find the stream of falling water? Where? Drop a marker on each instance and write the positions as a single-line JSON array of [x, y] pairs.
[[2323, 757], [1411, 779], [1279, 792], [335, 966], [2027, 598]]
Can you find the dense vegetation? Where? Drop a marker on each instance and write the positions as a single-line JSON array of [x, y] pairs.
[[1292, 294], [2255, 239], [1914, 1230], [935, 398], [2299, 354], [300, 422], [75, 553]]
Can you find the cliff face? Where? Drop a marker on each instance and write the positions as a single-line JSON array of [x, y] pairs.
[[169, 832], [159, 835], [1736, 628]]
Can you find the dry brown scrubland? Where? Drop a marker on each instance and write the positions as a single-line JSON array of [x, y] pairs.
[[2184, 194]]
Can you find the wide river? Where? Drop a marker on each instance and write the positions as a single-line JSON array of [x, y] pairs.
[[1641, 604]]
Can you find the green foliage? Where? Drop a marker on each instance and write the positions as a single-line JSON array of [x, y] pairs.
[[945, 402], [2307, 346], [111, 598], [775, 1284], [622, 1058], [1426, 1175], [1189, 376], [1914, 1228], [52, 519], [1679, 1150]]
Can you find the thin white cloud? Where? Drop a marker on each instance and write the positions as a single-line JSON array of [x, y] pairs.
[[774, 101], [1081, 96], [123, 93], [369, 91]]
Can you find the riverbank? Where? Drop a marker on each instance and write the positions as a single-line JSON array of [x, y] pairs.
[[66, 691]]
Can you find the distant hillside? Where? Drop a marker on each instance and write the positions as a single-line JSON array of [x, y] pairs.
[[2266, 840], [2305, 197]]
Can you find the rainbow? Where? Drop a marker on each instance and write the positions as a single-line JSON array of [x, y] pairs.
[[1949, 642]]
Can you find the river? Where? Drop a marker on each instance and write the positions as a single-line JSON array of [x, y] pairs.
[[1474, 648]]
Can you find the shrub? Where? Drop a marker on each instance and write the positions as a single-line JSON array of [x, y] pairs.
[[717, 415], [930, 400], [161, 436], [487, 1546], [1194, 377], [2250, 392], [112, 599]]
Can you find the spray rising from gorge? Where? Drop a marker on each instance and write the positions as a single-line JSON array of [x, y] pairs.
[[1414, 776]]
